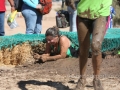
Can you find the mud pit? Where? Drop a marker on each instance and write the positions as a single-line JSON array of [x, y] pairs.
[[19, 71], [57, 75], [54, 75]]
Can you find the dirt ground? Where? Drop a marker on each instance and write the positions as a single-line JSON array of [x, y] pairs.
[[55, 75]]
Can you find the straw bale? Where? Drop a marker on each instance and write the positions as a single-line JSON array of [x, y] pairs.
[[21, 53]]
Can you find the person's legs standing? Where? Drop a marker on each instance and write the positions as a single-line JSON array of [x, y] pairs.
[[30, 17], [84, 42], [72, 19], [2, 17], [73, 22], [38, 26], [97, 38]]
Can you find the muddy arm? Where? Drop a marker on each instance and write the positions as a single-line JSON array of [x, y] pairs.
[[62, 55], [64, 45], [56, 57]]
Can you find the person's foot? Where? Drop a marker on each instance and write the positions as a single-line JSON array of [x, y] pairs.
[[81, 84], [97, 84]]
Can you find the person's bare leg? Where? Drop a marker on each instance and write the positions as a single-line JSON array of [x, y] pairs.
[[84, 41], [96, 60], [97, 38]]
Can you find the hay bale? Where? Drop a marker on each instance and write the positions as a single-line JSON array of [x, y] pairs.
[[25, 53], [7, 56], [15, 55], [21, 54], [18, 55], [1, 56], [40, 48]]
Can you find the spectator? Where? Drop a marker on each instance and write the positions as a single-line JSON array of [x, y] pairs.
[[71, 7], [33, 19], [91, 19], [2, 14], [57, 46], [112, 14]]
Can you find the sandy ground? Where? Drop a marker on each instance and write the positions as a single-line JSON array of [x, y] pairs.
[[55, 75]]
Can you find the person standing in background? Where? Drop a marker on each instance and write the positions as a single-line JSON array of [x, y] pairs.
[[33, 19], [112, 14], [2, 14], [91, 20], [71, 7]]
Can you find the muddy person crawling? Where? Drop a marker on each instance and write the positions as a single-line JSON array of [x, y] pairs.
[[57, 46]]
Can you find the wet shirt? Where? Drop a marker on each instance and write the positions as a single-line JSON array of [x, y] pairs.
[[93, 9], [69, 52], [2, 5]]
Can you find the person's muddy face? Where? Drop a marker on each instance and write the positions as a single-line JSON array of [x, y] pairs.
[[52, 40]]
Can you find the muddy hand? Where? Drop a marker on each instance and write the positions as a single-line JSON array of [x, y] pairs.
[[43, 58], [36, 56]]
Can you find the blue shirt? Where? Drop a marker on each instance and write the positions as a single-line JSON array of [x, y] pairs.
[[31, 3], [112, 12]]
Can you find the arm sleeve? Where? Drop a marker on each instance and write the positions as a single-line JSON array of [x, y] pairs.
[[30, 3]]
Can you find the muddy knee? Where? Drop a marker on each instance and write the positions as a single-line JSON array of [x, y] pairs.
[[96, 47]]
